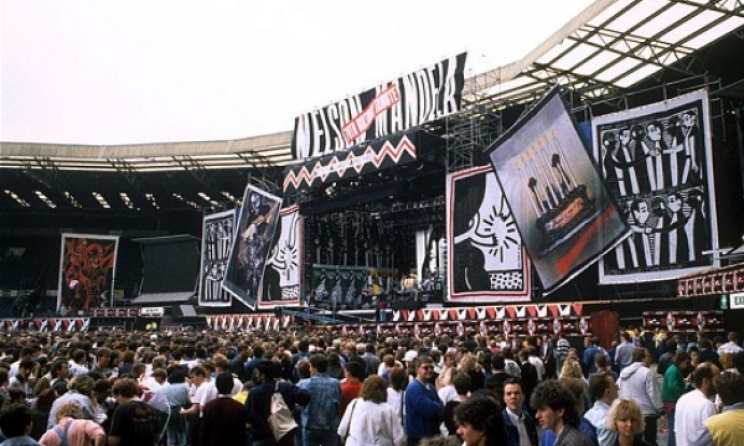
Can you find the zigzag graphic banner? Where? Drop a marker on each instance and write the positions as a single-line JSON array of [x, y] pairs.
[[396, 150]]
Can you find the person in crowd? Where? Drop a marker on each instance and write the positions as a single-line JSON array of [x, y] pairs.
[[423, 408], [81, 392], [673, 387], [369, 420], [177, 394], [667, 358], [73, 430], [78, 363], [398, 379], [555, 410], [461, 385], [135, 422], [602, 365], [624, 351], [511, 365], [320, 416], [726, 428], [25, 379], [639, 383], [16, 422], [480, 421], [627, 422], [258, 357], [561, 352], [351, 386], [707, 352], [578, 388], [370, 359], [335, 368], [534, 358], [448, 368], [60, 374], [223, 419], [42, 405], [258, 404], [603, 389], [519, 424], [587, 359], [696, 406], [495, 382], [732, 346]]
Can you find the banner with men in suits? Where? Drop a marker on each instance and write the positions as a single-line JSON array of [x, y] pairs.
[[656, 164], [218, 235]]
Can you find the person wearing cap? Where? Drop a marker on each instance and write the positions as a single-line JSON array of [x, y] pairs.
[[423, 408]]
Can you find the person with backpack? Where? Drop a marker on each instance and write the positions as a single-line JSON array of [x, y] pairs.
[[259, 403]]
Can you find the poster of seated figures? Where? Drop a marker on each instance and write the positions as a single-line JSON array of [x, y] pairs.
[[217, 238], [345, 288], [559, 202], [486, 258], [655, 161]]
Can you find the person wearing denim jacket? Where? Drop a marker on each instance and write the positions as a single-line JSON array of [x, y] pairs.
[[320, 417]]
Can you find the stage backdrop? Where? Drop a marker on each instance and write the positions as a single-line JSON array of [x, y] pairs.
[[281, 284], [258, 220], [486, 261], [656, 162], [218, 234], [560, 205], [87, 267]]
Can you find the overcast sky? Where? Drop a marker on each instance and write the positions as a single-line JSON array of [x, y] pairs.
[[135, 71]]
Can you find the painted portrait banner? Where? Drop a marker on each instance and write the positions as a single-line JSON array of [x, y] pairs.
[[655, 161], [87, 268], [560, 205], [486, 259], [257, 223], [218, 235], [282, 282]]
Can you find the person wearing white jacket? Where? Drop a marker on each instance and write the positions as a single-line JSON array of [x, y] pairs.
[[368, 420], [638, 382]]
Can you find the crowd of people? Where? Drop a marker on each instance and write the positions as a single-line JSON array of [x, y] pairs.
[[315, 388]]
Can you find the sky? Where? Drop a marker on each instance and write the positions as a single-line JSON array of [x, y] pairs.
[[106, 72]]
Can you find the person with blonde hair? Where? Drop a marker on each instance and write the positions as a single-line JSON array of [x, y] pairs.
[[369, 420], [571, 369], [627, 421], [75, 430]]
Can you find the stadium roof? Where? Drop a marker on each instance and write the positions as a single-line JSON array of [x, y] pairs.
[[605, 51]]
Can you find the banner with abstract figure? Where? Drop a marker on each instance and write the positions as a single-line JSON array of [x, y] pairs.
[[281, 283], [655, 163], [218, 234], [560, 205], [486, 260], [257, 223], [87, 269]]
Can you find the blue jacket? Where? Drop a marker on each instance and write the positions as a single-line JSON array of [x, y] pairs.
[[512, 432], [424, 411], [325, 400]]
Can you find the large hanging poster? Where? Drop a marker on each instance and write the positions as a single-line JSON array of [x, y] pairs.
[[560, 205], [87, 268], [486, 259], [218, 234], [256, 225], [656, 164], [281, 283]]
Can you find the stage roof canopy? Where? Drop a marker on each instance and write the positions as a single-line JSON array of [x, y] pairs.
[[611, 47]]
